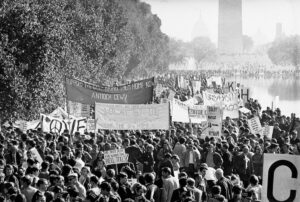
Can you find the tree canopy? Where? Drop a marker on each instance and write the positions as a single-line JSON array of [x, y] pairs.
[[42, 41], [286, 51]]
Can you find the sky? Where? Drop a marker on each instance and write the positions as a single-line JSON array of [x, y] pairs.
[[179, 18]]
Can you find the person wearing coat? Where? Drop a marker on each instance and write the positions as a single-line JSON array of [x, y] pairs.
[[191, 159], [212, 158]]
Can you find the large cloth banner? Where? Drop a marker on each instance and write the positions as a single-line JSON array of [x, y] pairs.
[[198, 113], [132, 117], [86, 93], [255, 125], [228, 102], [281, 178], [180, 111], [55, 125]]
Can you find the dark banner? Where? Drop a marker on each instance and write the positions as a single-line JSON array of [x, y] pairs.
[[140, 92]]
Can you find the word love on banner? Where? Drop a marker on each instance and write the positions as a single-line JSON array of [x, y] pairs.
[[254, 125], [115, 157], [281, 178], [132, 117], [55, 125], [228, 102], [137, 93]]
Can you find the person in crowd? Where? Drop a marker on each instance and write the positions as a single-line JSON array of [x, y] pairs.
[[191, 159], [255, 187], [216, 195], [197, 193], [169, 182], [180, 149], [224, 183], [212, 158]]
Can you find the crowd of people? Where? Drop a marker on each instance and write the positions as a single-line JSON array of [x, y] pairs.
[[163, 166]]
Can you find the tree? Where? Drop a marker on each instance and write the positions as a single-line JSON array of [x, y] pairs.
[[178, 51], [285, 51], [247, 43], [203, 50]]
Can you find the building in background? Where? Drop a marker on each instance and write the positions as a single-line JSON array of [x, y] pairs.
[[230, 34]]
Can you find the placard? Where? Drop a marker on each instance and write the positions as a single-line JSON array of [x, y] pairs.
[[228, 102], [281, 178], [132, 117], [180, 111], [115, 157], [255, 125], [267, 131], [214, 122]]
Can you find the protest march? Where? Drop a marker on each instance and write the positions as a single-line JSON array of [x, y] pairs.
[[168, 138], [149, 101]]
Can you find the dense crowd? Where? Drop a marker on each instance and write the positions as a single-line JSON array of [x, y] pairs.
[[178, 165]]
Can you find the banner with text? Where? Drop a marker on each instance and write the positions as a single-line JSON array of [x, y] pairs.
[[132, 117], [214, 120], [255, 125], [115, 157], [136, 93], [280, 178], [228, 102], [55, 125], [197, 113]]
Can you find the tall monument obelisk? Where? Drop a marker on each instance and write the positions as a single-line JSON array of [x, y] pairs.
[[230, 36]]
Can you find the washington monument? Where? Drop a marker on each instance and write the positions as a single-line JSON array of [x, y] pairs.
[[230, 36]]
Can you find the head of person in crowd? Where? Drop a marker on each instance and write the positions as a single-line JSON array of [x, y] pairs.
[[219, 173], [166, 172], [203, 168]]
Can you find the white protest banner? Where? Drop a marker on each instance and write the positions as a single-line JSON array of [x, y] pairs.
[[91, 125], [197, 113], [267, 131], [228, 102], [51, 124], [180, 112], [254, 125], [115, 157], [132, 116], [214, 121], [281, 178]]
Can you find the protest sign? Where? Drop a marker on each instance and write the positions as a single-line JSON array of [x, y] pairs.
[[228, 102], [214, 80], [280, 178], [55, 125], [267, 131], [115, 156], [77, 109], [83, 92], [214, 122], [254, 125], [196, 86], [36, 155], [180, 111], [197, 113], [91, 125], [132, 117]]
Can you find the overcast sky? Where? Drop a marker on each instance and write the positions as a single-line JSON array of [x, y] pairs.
[[179, 17]]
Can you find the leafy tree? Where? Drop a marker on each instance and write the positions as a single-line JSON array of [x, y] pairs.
[[285, 51], [178, 51], [247, 43], [203, 50]]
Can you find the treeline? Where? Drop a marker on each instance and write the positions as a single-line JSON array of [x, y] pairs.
[[42, 41]]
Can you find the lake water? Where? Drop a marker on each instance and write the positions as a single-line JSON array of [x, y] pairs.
[[266, 89]]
